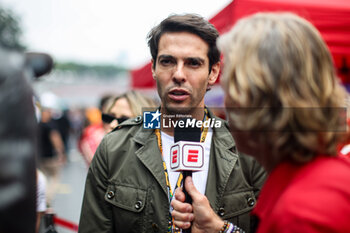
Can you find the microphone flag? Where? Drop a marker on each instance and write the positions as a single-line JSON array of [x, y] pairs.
[[187, 156]]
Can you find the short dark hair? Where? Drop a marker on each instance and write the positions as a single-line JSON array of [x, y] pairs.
[[191, 23]]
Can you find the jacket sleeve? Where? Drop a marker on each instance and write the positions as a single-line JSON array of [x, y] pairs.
[[96, 214], [254, 172]]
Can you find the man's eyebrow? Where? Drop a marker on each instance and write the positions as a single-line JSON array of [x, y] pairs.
[[198, 59], [164, 56]]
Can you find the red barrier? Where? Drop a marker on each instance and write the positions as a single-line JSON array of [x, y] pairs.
[[65, 223]]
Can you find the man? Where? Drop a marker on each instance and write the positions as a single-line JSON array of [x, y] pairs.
[[126, 187]]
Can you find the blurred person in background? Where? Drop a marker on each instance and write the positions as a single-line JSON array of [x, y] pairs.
[[105, 103], [94, 130], [40, 197], [41, 204], [62, 121], [286, 108], [125, 106], [113, 111], [52, 154], [76, 119]]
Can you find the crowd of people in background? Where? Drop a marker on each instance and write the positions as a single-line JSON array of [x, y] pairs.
[[61, 130], [112, 111], [82, 128]]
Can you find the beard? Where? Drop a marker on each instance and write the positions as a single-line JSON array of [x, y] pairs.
[[178, 110]]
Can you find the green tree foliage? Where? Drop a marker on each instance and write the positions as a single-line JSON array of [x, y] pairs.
[[101, 70], [10, 30]]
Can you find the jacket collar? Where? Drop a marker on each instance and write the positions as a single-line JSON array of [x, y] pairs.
[[149, 154]]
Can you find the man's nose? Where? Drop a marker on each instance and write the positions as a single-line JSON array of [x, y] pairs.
[[179, 75]]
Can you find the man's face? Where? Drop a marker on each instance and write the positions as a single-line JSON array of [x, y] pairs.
[[182, 71]]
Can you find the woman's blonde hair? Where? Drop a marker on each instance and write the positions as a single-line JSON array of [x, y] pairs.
[[279, 74], [137, 102]]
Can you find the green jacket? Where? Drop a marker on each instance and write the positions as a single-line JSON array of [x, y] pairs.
[[126, 188]]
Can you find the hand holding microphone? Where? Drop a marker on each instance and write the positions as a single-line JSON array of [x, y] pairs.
[[187, 156], [200, 213]]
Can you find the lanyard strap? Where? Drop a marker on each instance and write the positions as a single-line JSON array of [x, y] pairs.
[[180, 178]]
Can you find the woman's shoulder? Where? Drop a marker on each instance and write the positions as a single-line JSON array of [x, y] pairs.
[[318, 197]]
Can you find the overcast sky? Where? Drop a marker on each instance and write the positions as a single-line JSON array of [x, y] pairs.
[[99, 31]]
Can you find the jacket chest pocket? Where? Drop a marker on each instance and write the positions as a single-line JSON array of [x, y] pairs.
[[128, 204]]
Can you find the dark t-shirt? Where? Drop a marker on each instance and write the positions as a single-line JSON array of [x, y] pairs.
[[46, 149]]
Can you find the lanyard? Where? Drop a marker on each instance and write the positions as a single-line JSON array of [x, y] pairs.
[[180, 178]]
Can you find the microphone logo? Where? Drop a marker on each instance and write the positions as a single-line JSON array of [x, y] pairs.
[[174, 157], [192, 156], [186, 155]]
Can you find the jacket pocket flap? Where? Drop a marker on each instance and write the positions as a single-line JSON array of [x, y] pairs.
[[125, 197], [240, 203]]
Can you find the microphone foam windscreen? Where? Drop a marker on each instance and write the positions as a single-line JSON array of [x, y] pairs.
[[189, 133]]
